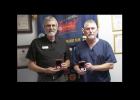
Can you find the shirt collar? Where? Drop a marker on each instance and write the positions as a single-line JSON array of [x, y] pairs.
[[47, 40]]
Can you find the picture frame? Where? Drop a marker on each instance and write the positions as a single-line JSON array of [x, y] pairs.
[[118, 43], [24, 24], [21, 56], [116, 22]]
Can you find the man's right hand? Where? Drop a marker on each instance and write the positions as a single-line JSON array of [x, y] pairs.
[[81, 72], [78, 70], [51, 70]]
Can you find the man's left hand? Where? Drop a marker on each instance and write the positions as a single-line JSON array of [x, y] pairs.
[[64, 66], [89, 66]]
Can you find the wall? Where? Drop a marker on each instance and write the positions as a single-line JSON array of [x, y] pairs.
[[106, 33], [26, 38], [26, 75], [116, 72]]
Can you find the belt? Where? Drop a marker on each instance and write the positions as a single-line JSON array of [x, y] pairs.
[[54, 76], [51, 76]]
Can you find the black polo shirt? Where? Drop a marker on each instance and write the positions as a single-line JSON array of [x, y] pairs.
[[45, 52]]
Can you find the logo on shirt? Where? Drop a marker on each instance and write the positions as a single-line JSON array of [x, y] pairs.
[[45, 47]]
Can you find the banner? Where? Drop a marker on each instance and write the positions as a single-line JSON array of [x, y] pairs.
[[70, 26]]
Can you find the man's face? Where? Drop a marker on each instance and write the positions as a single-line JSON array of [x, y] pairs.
[[90, 30], [51, 27]]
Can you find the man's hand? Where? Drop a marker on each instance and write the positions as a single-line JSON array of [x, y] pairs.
[[89, 66], [51, 70], [81, 72], [64, 66], [78, 70]]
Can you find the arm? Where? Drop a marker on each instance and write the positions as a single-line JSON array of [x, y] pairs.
[[67, 62], [102, 67], [65, 65], [33, 66], [109, 60], [77, 69]]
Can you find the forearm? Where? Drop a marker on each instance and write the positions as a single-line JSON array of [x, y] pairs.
[[33, 66], [103, 67], [67, 63], [76, 67]]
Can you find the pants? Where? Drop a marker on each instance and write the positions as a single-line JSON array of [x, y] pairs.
[[62, 78]]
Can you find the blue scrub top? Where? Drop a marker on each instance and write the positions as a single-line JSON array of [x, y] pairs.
[[101, 53]]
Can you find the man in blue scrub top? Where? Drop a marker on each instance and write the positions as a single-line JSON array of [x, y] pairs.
[[97, 54]]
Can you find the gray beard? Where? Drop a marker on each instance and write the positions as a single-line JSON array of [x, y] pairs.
[[51, 33], [91, 37]]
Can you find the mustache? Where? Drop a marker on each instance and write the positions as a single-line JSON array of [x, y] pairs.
[[52, 31], [91, 35]]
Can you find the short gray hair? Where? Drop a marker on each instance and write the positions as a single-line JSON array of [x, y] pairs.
[[49, 18], [89, 21]]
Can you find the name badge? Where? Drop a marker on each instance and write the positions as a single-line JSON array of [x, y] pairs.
[[45, 47]]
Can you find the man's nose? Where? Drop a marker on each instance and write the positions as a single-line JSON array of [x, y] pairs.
[[51, 27], [90, 30]]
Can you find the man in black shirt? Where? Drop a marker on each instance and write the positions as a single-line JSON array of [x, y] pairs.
[[44, 51]]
